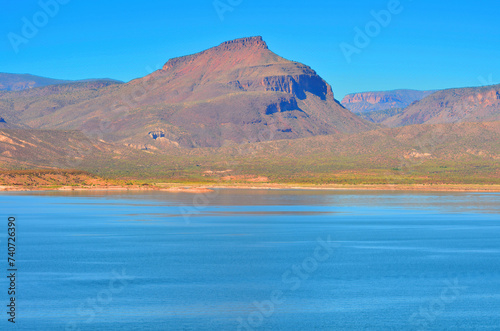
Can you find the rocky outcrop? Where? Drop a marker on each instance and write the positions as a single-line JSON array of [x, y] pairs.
[[282, 105], [156, 134], [299, 85]]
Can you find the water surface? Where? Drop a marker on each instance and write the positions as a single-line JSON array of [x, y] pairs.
[[163, 261]]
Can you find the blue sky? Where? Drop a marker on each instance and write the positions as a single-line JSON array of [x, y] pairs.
[[426, 45]]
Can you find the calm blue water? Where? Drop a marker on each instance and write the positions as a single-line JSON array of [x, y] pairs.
[[254, 260]]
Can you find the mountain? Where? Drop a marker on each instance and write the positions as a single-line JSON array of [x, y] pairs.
[[375, 101], [237, 92], [478, 104]]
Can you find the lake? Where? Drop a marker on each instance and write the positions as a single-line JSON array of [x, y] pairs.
[[254, 260]]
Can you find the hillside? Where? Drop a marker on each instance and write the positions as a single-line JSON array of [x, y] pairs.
[[376, 101], [25, 108], [22, 148], [20, 82], [462, 153], [379, 116], [478, 104]]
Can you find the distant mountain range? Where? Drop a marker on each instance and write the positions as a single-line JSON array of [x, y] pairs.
[[477, 104], [375, 101], [19, 82]]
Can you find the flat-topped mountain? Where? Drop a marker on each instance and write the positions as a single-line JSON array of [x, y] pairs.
[[374, 101], [240, 65], [477, 104], [236, 92]]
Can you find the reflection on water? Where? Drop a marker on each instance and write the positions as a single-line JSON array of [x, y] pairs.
[[164, 261]]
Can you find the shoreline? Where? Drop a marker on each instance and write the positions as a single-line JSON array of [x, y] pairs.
[[115, 188], [375, 187], [207, 188]]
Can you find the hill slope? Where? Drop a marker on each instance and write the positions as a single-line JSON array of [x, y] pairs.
[[442, 153], [27, 107], [478, 104]]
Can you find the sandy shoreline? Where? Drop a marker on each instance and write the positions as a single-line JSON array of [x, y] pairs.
[[179, 189], [198, 189], [420, 188]]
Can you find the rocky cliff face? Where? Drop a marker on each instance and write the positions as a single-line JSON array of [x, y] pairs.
[[244, 64], [375, 101], [299, 85], [452, 106]]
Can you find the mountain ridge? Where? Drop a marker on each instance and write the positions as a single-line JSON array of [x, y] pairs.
[[365, 102], [470, 104]]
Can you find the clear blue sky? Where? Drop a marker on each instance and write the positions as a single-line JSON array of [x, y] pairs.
[[429, 45]]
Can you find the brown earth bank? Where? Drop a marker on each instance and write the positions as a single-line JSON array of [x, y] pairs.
[[76, 180]]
